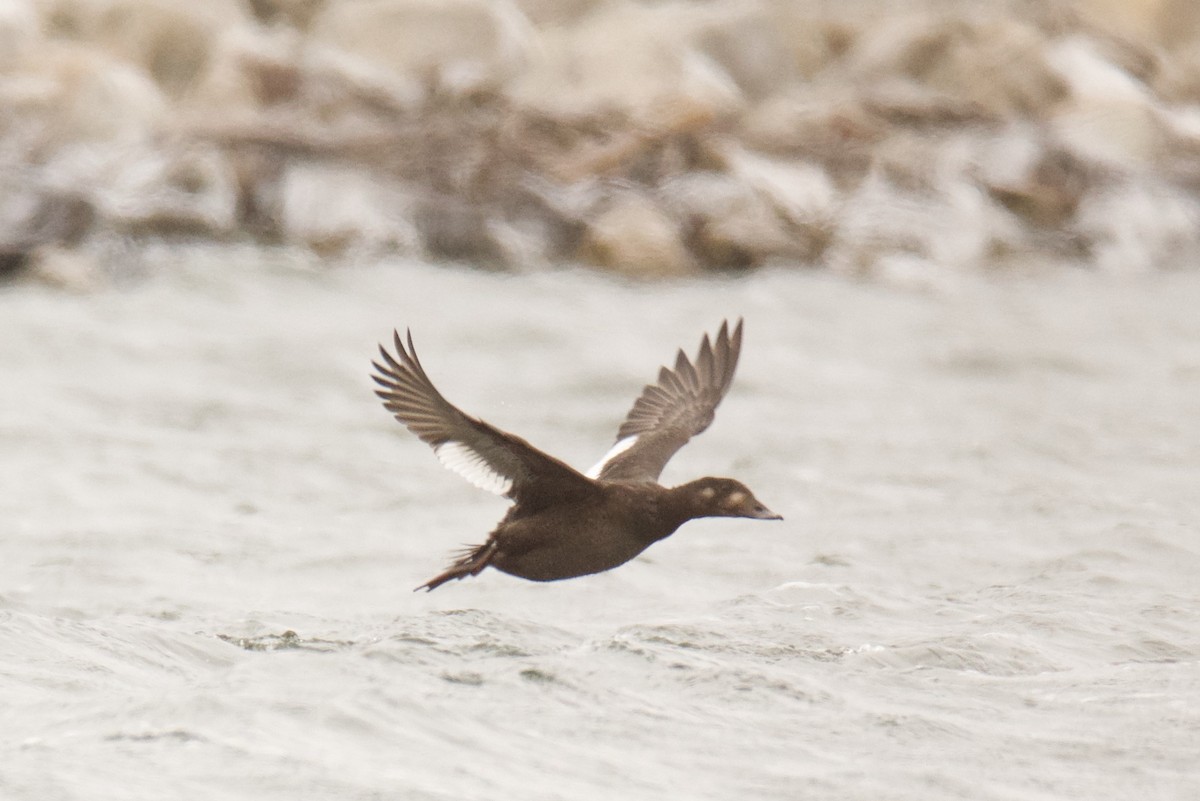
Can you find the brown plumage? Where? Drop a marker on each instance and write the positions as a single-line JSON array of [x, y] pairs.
[[563, 523]]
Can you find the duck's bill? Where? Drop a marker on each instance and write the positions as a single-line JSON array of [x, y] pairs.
[[763, 513]]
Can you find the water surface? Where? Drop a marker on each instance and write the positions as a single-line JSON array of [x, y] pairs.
[[985, 586]]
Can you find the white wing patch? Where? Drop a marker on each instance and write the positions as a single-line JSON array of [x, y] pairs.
[[613, 452], [471, 466]]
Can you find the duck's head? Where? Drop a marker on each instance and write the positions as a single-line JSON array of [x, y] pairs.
[[725, 497]]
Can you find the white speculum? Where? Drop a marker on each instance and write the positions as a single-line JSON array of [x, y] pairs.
[[471, 466], [613, 452]]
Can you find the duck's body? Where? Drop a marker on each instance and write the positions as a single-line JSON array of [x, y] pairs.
[[591, 534], [563, 523]]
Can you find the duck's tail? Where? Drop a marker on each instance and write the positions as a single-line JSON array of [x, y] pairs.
[[471, 563]]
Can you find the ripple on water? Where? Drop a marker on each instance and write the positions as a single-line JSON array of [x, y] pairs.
[[989, 653], [288, 640], [471, 647]]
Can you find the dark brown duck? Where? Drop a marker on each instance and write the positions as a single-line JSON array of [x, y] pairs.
[[562, 523]]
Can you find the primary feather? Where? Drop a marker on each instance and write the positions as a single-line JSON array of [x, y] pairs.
[[673, 410], [489, 458]]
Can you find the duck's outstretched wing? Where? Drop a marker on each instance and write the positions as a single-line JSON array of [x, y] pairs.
[[672, 411], [489, 458]]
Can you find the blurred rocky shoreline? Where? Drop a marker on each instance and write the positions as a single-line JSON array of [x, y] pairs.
[[652, 139]]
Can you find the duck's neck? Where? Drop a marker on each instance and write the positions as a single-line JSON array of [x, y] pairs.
[[678, 506]]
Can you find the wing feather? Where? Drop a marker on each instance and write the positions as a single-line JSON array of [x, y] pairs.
[[489, 458], [673, 410]]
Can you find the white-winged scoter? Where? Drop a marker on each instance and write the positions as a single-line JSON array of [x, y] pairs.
[[563, 523]]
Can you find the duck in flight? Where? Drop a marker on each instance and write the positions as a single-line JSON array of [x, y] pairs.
[[563, 523]]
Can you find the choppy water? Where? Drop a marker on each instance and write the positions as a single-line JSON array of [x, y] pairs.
[[985, 588]]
